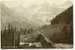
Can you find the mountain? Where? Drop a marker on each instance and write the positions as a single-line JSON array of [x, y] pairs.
[[65, 17], [61, 28], [8, 16]]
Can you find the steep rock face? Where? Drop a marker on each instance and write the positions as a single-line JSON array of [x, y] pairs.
[[61, 28], [66, 21], [66, 17]]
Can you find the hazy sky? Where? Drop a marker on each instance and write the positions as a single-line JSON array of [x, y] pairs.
[[14, 3], [38, 11]]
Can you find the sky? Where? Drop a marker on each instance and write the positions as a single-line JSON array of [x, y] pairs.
[[38, 11], [14, 3]]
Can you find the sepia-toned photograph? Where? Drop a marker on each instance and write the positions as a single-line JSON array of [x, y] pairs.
[[36, 24]]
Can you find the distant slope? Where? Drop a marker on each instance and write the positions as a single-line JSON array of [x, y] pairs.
[[8, 16]]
